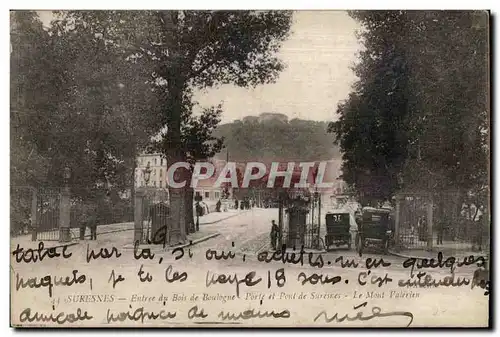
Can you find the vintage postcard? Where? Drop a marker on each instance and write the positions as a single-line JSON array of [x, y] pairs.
[[179, 168]]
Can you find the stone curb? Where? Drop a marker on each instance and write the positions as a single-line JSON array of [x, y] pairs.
[[112, 231], [228, 217], [59, 245], [75, 242], [306, 251], [189, 244], [194, 242], [404, 256], [131, 229]]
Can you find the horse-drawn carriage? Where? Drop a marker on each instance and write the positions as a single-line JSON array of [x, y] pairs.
[[375, 228], [338, 229]]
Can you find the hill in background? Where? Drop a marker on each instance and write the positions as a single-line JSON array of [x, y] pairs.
[[272, 137]]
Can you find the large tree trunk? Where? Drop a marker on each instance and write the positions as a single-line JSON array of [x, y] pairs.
[[177, 218], [176, 76], [175, 153], [188, 199], [132, 190], [190, 223]]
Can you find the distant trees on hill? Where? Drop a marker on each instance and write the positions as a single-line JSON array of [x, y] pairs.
[[271, 137]]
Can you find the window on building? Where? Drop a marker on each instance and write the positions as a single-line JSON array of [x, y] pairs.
[[197, 193], [155, 162], [161, 161], [207, 195], [217, 195], [161, 183], [161, 173]]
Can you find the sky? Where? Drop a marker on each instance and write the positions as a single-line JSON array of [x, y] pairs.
[[318, 55]]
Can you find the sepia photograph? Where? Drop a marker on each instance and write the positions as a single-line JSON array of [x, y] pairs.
[[250, 168]]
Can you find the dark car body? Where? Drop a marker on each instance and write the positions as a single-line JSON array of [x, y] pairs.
[[338, 229], [374, 228]]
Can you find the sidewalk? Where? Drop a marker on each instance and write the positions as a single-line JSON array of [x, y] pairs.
[[216, 217], [192, 239], [262, 243], [447, 248], [25, 240], [425, 254]]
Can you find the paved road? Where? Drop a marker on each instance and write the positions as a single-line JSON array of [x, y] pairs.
[[249, 234]]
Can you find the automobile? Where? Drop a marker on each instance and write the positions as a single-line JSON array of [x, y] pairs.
[[338, 229], [374, 229]]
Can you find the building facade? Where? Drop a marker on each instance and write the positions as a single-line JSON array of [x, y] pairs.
[[207, 188], [157, 165], [158, 177]]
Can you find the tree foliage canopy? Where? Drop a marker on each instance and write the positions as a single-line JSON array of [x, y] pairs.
[[417, 116], [99, 84], [276, 139], [78, 105]]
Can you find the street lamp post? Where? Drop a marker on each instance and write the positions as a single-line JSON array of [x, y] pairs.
[[317, 198], [147, 174], [139, 206]]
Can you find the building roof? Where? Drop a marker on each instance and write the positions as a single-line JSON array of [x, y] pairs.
[[331, 174]]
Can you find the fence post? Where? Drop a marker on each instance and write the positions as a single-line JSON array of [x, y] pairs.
[[64, 215], [139, 199], [280, 222], [430, 207], [319, 222], [397, 225], [177, 232], [34, 222]]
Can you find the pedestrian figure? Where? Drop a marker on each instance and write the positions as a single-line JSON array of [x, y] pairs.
[[83, 226], [218, 206], [236, 204], [479, 232], [274, 234], [84, 219], [422, 228], [199, 209], [440, 232], [102, 216], [92, 224]]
